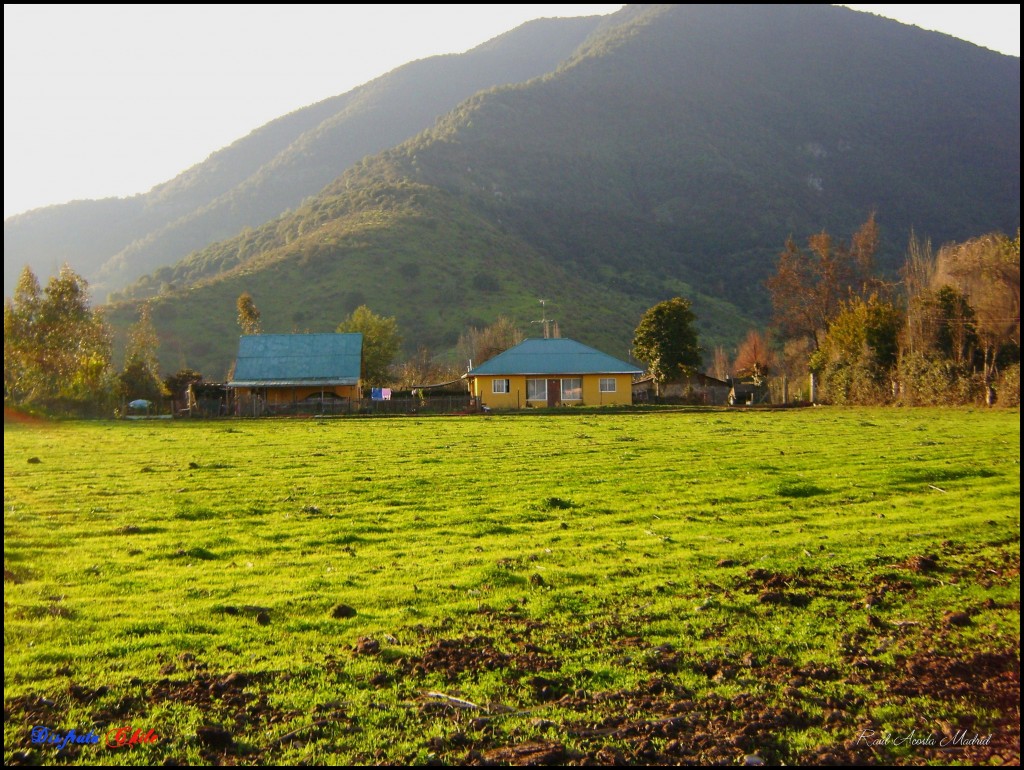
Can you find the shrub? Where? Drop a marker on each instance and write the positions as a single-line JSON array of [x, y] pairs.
[[932, 381], [1008, 387]]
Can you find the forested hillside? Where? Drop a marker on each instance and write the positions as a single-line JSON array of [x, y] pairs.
[[673, 153]]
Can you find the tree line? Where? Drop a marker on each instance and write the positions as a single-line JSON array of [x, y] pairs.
[[56, 348], [945, 332], [58, 351]]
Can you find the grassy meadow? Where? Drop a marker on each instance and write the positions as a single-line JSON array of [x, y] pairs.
[[654, 587]]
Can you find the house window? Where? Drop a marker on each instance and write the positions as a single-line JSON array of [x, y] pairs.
[[499, 386], [607, 384], [536, 390], [572, 389]]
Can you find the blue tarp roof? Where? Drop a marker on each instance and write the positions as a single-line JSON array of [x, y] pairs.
[[553, 356], [276, 360]]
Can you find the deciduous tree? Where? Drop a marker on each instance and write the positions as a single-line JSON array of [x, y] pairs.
[[986, 271], [858, 354], [809, 286], [424, 369], [479, 345], [755, 358]]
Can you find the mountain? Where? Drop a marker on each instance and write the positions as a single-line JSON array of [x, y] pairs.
[[114, 241], [672, 152]]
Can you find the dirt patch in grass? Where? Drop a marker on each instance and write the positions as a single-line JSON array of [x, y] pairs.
[[921, 564], [655, 724], [658, 722], [999, 569], [528, 754], [989, 681], [778, 588], [454, 657], [661, 722], [228, 705], [21, 418], [229, 698]]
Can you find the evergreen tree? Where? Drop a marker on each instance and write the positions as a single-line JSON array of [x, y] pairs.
[[56, 348], [666, 340], [177, 387], [21, 343], [248, 315], [381, 343], [140, 377]]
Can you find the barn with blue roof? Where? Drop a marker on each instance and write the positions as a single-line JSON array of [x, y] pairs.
[[552, 372], [283, 369]]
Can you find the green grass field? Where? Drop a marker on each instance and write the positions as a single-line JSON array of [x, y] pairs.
[[665, 587]]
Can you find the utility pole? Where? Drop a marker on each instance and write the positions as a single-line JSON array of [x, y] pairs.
[[545, 321]]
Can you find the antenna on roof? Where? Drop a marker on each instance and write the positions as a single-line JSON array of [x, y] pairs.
[[549, 331]]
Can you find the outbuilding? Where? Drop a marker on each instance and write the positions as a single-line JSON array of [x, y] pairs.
[[696, 388], [281, 373]]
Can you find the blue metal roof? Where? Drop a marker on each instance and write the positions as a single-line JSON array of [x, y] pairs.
[[274, 360], [553, 356]]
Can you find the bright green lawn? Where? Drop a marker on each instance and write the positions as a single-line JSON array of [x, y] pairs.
[[662, 587]]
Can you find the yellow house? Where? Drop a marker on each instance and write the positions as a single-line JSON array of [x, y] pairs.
[[551, 372], [275, 371]]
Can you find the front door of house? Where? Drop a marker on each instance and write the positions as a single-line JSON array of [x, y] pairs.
[[554, 392]]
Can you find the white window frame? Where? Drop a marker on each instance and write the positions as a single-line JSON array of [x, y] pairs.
[[541, 388], [578, 388], [500, 387], [605, 383]]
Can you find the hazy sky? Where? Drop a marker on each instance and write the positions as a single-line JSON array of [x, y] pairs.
[[110, 100]]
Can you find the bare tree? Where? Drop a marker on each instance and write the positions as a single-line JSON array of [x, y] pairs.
[[809, 286], [986, 271], [918, 280], [721, 366], [423, 369], [479, 345], [755, 358]]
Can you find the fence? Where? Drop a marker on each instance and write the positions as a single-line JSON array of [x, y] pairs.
[[316, 407], [429, 405]]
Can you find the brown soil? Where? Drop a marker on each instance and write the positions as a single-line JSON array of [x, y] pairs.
[[454, 657]]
